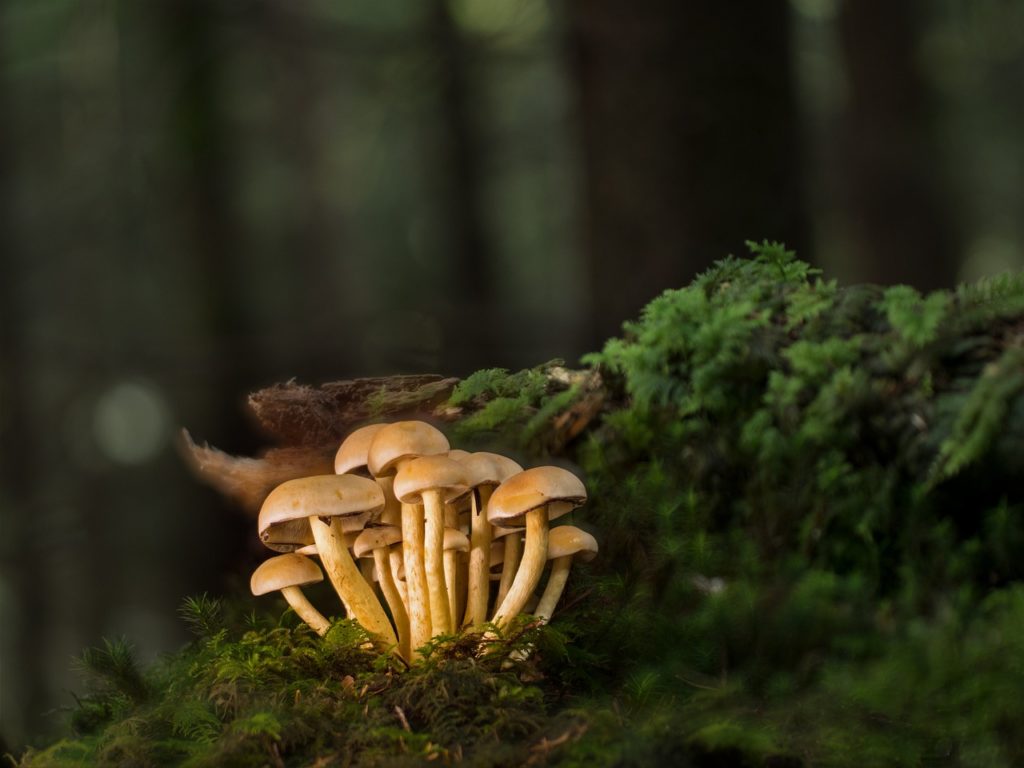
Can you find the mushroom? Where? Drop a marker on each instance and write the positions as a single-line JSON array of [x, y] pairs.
[[391, 447], [327, 504], [532, 498], [288, 573], [374, 543], [565, 543], [430, 481], [455, 541], [351, 456], [486, 472], [511, 540]]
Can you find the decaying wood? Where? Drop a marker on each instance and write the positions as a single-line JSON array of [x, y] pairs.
[[298, 414], [248, 480], [310, 421]]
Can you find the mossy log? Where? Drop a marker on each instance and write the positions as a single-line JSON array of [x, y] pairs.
[[810, 506]]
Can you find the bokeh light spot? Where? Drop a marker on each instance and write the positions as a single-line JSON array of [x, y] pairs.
[[130, 422]]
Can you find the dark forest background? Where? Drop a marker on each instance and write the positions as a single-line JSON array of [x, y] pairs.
[[201, 197]]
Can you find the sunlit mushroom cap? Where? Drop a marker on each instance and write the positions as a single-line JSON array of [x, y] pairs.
[[283, 521], [403, 440], [490, 468], [568, 540], [455, 539], [375, 538], [457, 454], [354, 450], [282, 571], [560, 490], [429, 473]]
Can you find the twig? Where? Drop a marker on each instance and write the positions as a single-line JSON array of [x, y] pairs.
[[401, 718]]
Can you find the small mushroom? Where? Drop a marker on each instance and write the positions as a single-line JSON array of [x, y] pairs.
[[486, 471], [374, 543], [390, 448], [327, 504], [511, 540], [352, 455], [565, 544], [288, 573], [455, 541], [532, 498], [430, 481]]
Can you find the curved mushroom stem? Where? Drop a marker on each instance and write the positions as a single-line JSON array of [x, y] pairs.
[[553, 589], [451, 581], [433, 562], [415, 576], [356, 595], [305, 610], [394, 599], [513, 549], [535, 555], [395, 556], [479, 560]]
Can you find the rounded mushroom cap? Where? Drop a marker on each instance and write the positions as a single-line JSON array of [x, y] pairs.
[[375, 538], [404, 440], [490, 468], [283, 520], [568, 540], [429, 473], [455, 539], [282, 571], [353, 452], [558, 489], [457, 454], [498, 531]]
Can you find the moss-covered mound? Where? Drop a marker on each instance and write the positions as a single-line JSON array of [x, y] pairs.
[[811, 516]]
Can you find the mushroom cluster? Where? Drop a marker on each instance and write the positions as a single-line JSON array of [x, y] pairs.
[[434, 531]]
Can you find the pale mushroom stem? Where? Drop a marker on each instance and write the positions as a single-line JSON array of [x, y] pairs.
[[451, 581], [366, 569], [513, 549], [553, 589], [535, 555], [415, 575], [479, 561], [394, 599], [305, 610], [356, 595], [433, 561], [395, 556]]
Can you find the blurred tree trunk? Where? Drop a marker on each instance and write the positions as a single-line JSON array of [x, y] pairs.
[[690, 138], [204, 194], [19, 550], [902, 225], [468, 288]]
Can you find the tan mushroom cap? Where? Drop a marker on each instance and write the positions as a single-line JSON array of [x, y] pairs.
[[490, 468], [555, 487], [283, 520], [354, 450], [429, 473], [403, 440], [498, 531], [568, 540], [457, 454], [283, 571], [455, 539], [375, 538]]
